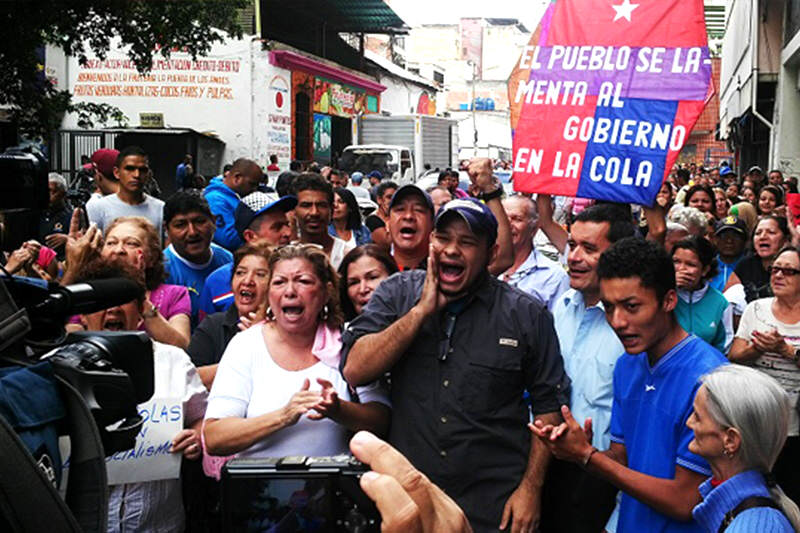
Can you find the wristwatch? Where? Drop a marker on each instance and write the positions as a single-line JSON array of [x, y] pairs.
[[486, 196]]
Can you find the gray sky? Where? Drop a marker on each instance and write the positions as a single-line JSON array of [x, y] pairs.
[[417, 12]]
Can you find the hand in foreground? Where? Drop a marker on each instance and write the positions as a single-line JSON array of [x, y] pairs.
[[301, 403], [406, 498], [329, 405], [567, 441], [188, 442], [522, 510], [82, 249]]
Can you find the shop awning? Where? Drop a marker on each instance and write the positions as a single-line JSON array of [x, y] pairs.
[[343, 16]]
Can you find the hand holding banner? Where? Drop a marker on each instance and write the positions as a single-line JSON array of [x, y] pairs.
[[605, 96]]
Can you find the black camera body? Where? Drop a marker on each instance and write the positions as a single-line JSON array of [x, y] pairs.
[[297, 494]]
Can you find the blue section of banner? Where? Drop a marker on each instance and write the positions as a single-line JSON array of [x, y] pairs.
[[617, 172]]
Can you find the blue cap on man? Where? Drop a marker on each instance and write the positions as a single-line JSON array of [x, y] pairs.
[[479, 218]]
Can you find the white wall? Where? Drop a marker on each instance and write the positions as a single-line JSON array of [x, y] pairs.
[[786, 142], [401, 97], [494, 128], [229, 93]]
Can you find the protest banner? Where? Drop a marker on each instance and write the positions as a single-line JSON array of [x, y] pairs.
[[605, 95], [150, 459]]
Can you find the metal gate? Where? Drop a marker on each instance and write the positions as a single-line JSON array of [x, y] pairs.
[[69, 146]]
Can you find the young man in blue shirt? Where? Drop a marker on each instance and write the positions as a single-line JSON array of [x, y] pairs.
[[654, 387]]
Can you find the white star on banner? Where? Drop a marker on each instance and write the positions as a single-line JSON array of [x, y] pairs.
[[624, 10]]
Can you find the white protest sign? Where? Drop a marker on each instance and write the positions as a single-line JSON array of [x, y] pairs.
[[150, 458]]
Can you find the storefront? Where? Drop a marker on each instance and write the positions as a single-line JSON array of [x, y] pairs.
[[325, 100]]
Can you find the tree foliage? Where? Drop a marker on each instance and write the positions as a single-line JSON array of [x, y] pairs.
[[87, 27]]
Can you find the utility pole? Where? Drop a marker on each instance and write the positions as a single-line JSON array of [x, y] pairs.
[[472, 106]]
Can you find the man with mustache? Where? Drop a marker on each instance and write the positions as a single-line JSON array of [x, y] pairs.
[[411, 214]]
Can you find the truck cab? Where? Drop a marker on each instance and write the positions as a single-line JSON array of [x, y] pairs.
[[392, 161]]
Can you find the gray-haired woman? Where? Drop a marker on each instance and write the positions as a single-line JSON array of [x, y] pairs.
[[741, 435]]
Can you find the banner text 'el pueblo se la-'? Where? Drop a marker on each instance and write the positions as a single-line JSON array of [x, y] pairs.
[[606, 94]]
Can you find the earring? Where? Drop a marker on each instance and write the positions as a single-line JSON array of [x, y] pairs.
[[324, 314], [270, 314], [727, 453]]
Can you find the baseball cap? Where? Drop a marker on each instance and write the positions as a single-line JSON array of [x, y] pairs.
[[356, 177], [375, 174], [731, 223], [408, 189], [256, 204], [104, 160], [755, 168], [478, 217], [724, 171]]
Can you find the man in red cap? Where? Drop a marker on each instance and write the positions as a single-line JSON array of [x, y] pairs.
[[106, 183]]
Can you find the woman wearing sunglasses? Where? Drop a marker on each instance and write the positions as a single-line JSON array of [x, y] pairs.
[[768, 338]]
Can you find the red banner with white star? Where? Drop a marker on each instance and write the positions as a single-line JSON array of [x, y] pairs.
[[605, 95]]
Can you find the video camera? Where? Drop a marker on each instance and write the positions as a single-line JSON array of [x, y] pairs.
[[296, 494], [101, 377], [23, 193]]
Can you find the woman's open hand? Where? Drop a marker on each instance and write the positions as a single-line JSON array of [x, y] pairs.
[[329, 405], [301, 403]]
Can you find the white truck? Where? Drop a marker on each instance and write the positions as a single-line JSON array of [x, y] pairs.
[[400, 146]]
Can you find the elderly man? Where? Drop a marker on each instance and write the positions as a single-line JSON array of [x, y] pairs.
[[54, 222], [531, 272], [462, 347], [223, 195]]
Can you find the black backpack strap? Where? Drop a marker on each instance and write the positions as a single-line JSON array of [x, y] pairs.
[[747, 503], [28, 500]]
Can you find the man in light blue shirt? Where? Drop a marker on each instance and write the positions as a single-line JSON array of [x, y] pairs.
[[531, 272], [574, 501]]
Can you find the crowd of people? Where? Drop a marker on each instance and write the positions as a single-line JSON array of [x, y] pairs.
[[516, 362]]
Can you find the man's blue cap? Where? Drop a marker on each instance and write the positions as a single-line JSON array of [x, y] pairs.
[[356, 177], [411, 189], [375, 174], [478, 217], [256, 204], [724, 171]]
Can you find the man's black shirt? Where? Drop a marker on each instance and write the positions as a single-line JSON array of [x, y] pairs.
[[458, 412]]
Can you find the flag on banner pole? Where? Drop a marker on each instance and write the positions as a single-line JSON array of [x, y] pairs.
[[605, 95]]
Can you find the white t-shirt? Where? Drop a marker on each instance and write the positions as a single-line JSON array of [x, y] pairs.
[[340, 249], [758, 317], [103, 211], [249, 384]]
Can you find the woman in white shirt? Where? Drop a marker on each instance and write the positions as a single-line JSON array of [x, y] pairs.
[[278, 390]]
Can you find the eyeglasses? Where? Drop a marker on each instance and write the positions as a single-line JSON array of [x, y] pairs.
[[785, 271], [299, 246]]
